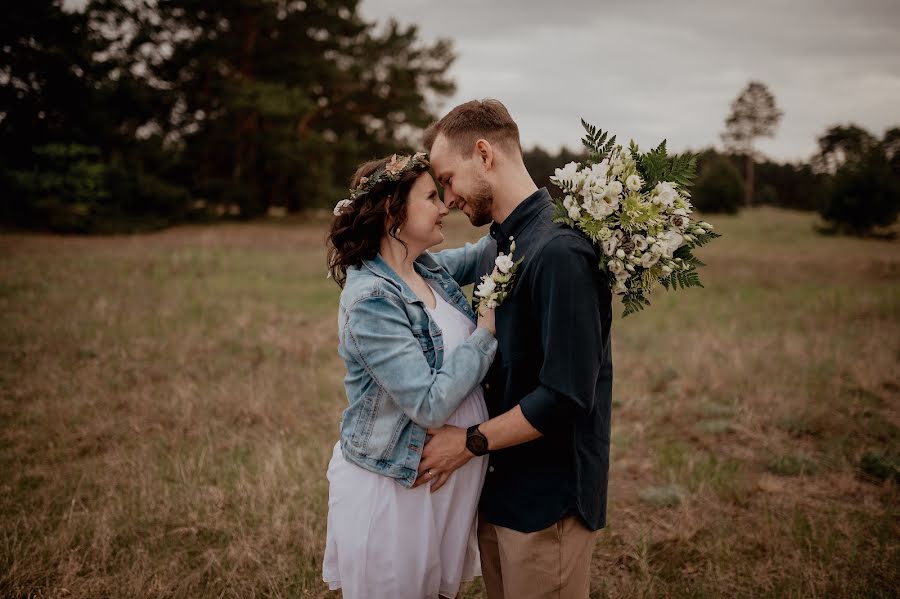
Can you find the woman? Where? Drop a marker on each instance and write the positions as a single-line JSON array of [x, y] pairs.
[[414, 356]]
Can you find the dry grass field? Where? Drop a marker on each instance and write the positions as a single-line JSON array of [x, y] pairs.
[[168, 404]]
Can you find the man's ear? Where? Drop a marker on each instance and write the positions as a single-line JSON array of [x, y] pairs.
[[485, 152]]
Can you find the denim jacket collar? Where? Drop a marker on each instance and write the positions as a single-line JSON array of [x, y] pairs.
[[424, 265]]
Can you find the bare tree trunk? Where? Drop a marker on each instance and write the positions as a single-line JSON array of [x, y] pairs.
[[748, 180], [245, 148]]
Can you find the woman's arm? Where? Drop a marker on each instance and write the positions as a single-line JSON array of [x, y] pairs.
[[378, 336]]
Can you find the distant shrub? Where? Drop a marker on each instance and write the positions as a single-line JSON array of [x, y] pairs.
[[863, 194], [60, 191], [718, 187], [69, 188]]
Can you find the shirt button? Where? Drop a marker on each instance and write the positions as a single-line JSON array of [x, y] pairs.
[[490, 468]]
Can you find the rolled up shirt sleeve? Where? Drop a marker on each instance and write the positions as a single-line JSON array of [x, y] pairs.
[[566, 293]]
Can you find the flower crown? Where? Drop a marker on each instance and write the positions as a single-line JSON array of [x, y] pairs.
[[392, 171]]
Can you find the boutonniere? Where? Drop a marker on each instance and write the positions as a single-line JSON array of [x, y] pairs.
[[494, 288]]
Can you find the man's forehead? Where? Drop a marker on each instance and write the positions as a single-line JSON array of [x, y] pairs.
[[441, 160]]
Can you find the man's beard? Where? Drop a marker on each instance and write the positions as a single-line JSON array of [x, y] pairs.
[[480, 201]]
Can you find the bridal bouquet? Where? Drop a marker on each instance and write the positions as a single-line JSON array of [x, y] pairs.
[[635, 207]]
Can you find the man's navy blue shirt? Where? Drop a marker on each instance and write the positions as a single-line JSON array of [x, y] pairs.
[[555, 361]]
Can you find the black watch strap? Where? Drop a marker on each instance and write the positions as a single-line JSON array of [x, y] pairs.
[[476, 442]]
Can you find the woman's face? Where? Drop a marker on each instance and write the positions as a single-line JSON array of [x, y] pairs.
[[424, 215]]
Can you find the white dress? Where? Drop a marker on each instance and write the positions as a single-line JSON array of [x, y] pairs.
[[387, 541]]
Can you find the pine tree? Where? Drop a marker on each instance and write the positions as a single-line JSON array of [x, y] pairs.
[[753, 114]]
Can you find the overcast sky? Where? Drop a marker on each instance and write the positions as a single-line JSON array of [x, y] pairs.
[[649, 69]]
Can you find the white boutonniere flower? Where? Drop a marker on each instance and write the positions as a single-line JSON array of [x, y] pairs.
[[495, 287]]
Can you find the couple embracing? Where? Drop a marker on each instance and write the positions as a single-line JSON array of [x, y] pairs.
[[474, 443]]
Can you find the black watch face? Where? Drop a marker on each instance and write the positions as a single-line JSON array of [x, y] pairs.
[[478, 444]]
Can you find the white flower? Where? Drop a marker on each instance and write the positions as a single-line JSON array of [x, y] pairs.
[[600, 170], [617, 168], [633, 182], [664, 186], [598, 209], [620, 254], [620, 288], [649, 259], [592, 188], [665, 198], [612, 202], [503, 263], [578, 180], [486, 287], [609, 246], [640, 242], [566, 173], [671, 241], [341, 205], [706, 225], [678, 221], [604, 234], [665, 194], [657, 249], [571, 207], [614, 189], [616, 267]]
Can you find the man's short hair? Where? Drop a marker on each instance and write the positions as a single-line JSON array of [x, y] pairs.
[[474, 120]]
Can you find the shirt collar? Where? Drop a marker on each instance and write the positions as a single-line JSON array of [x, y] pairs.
[[519, 218]]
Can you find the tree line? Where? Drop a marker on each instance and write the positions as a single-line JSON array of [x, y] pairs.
[[136, 114], [852, 180], [130, 115]]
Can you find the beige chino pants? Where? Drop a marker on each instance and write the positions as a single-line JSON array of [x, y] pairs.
[[553, 562]]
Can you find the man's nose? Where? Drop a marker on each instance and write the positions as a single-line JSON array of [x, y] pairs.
[[449, 198]]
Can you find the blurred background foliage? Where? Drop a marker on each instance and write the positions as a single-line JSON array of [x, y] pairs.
[[135, 115]]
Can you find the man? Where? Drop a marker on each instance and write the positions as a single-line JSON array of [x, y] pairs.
[[549, 390]]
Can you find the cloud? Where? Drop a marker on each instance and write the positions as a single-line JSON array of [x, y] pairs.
[[655, 69]]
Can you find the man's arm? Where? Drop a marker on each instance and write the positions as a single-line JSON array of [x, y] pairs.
[[446, 450], [462, 262], [571, 337]]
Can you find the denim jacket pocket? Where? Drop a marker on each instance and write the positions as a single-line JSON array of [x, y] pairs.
[[425, 340], [365, 421]]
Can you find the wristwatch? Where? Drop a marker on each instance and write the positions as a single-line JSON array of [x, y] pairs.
[[475, 441]]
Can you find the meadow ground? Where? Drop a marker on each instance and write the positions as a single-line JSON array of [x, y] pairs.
[[168, 404]]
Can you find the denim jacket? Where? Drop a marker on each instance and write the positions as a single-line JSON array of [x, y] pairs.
[[399, 382]]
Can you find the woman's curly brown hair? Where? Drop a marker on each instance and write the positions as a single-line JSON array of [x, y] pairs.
[[357, 231]]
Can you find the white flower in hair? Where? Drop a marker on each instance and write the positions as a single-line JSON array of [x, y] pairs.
[[339, 207]]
